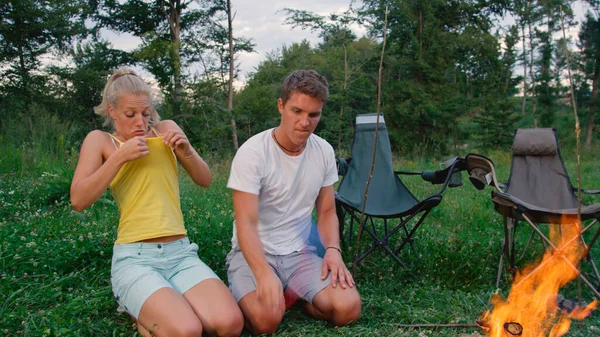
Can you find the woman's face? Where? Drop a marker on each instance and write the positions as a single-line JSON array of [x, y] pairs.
[[131, 115]]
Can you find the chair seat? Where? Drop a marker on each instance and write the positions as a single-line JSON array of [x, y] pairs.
[[506, 205], [398, 209]]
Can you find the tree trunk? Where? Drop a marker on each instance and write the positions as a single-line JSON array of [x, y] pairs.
[[506, 83], [421, 29], [26, 92], [174, 17], [231, 67], [592, 110], [524, 72], [343, 97], [533, 103]]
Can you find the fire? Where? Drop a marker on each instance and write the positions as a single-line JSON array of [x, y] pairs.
[[531, 309]]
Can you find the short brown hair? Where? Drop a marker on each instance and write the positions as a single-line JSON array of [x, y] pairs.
[[307, 82]]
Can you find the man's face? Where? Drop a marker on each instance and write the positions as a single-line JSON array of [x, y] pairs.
[[299, 116]]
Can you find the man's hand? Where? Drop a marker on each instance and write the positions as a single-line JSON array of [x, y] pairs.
[[332, 261], [270, 292]]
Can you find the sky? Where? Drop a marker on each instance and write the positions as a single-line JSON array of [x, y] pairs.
[[261, 21]]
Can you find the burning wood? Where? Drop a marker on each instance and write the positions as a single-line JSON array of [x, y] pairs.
[[531, 309], [513, 328]]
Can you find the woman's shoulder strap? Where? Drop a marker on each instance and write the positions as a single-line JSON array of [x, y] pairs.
[[113, 138], [156, 133]]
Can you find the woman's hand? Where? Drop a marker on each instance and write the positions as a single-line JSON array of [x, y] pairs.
[[134, 148], [177, 140]]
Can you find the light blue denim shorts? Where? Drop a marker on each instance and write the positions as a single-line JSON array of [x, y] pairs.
[[139, 269]]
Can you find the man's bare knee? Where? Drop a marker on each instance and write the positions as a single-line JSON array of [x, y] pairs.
[[346, 311], [264, 321], [265, 325]]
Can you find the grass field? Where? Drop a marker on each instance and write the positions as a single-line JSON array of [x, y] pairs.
[[55, 263]]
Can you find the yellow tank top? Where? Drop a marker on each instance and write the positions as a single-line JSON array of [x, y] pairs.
[[146, 191]]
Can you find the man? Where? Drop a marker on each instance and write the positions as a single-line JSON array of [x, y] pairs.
[[278, 177]]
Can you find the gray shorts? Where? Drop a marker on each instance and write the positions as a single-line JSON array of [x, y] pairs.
[[299, 273]]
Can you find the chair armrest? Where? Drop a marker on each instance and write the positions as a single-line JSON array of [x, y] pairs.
[[482, 172], [449, 175], [342, 165], [408, 173], [587, 191], [435, 177]]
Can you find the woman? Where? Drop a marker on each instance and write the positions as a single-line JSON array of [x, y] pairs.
[[156, 274]]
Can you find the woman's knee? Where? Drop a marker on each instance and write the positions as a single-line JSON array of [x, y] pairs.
[[229, 325], [192, 328]]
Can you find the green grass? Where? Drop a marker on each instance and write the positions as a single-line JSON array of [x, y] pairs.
[[55, 263]]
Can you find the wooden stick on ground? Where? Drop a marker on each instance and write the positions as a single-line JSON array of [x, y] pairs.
[[436, 326]]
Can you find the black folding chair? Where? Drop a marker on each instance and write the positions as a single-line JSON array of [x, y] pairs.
[[538, 191], [388, 198]]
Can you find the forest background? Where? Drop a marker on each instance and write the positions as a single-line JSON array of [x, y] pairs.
[[458, 76], [453, 77]]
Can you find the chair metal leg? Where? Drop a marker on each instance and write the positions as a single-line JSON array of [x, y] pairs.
[[513, 224], [382, 236], [387, 248], [500, 269], [341, 214], [409, 236], [527, 245], [508, 246], [581, 276], [589, 259]]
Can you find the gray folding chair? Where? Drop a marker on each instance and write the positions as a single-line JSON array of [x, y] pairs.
[[538, 191], [388, 198]]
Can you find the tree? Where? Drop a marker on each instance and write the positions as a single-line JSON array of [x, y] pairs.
[[344, 64], [440, 64], [495, 122], [80, 85], [589, 39], [28, 30], [176, 34], [257, 102], [522, 10], [231, 70], [545, 89], [550, 14], [161, 24]]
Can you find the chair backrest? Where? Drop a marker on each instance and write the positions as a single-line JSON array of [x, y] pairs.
[[387, 195], [538, 175]]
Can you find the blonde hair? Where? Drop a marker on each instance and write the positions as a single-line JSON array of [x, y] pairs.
[[124, 81]]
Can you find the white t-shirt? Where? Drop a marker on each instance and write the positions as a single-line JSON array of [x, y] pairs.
[[287, 188]]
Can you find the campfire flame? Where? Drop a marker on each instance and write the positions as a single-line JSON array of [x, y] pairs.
[[531, 309]]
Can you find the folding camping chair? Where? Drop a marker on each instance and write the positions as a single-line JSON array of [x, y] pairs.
[[538, 191], [388, 198]]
